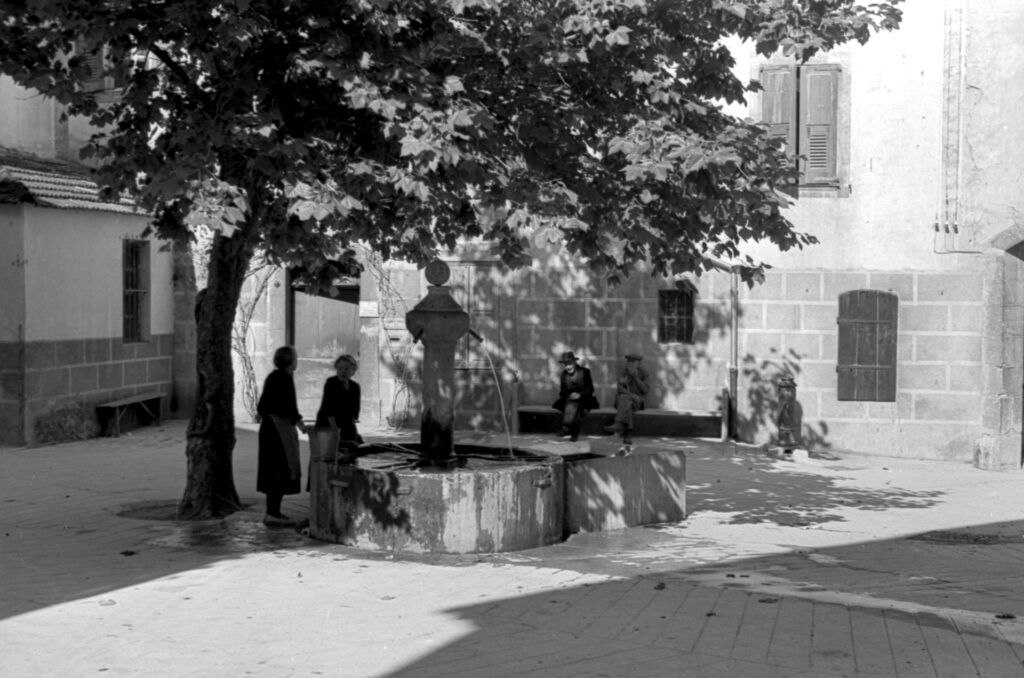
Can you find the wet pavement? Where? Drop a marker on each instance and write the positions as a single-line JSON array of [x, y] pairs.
[[848, 566]]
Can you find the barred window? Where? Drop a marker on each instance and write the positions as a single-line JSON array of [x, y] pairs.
[[135, 268], [675, 316]]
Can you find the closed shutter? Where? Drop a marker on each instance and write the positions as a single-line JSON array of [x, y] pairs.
[[778, 103], [94, 62], [867, 346], [819, 84]]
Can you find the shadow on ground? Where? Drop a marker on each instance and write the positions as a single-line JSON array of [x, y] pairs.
[[679, 618], [761, 489]]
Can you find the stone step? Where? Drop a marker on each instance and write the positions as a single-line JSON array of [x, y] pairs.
[[649, 422]]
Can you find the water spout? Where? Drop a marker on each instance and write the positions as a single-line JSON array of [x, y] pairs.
[[501, 397]]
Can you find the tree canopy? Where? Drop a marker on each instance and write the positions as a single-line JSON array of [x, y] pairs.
[[307, 125], [296, 128]]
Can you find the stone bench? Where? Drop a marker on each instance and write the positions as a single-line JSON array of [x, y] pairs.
[[111, 412], [647, 422]]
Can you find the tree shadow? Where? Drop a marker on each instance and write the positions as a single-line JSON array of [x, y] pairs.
[[612, 492], [671, 611], [762, 489], [71, 501], [758, 418]]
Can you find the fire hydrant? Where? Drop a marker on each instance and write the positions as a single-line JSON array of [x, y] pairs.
[[787, 419]]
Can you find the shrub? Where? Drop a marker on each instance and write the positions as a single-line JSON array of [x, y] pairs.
[[66, 422]]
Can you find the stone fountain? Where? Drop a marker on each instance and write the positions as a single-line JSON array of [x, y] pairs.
[[438, 497]]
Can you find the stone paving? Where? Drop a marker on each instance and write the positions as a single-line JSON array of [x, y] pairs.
[[854, 566]]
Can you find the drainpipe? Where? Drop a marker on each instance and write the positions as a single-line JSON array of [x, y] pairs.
[[730, 393], [734, 351]]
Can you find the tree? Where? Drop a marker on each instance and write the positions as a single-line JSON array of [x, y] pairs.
[[296, 128]]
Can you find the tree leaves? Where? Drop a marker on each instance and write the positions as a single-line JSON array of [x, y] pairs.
[[410, 125]]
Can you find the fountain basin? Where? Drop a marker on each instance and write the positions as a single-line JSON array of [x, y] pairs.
[[382, 501], [489, 503], [612, 493]]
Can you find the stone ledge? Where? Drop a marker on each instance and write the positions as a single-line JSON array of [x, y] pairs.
[[649, 422]]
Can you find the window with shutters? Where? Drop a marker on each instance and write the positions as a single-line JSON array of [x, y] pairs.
[[867, 346], [475, 286], [105, 80], [135, 290], [675, 316], [799, 105]]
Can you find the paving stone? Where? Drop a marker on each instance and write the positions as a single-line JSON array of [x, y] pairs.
[[782, 570]]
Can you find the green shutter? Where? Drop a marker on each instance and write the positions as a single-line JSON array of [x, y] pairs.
[[867, 346], [819, 87], [778, 103]]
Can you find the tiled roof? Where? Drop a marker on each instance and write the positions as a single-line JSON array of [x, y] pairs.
[[50, 182]]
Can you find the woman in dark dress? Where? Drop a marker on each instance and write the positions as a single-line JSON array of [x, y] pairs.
[[340, 401], [279, 471]]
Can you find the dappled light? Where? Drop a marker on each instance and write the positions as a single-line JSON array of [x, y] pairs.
[[760, 489]]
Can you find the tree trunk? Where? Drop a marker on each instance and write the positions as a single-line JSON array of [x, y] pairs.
[[210, 487]]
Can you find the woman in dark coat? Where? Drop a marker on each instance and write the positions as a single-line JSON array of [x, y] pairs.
[[575, 394], [340, 401], [279, 471]]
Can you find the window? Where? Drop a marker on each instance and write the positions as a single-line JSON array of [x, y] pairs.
[[867, 346], [475, 288], [675, 316], [107, 77], [799, 105], [135, 268]]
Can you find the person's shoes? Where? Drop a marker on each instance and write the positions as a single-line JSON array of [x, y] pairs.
[[278, 521], [573, 438], [562, 433], [624, 451]]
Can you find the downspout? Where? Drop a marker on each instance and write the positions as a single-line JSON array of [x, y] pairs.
[[730, 392], [729, 430]]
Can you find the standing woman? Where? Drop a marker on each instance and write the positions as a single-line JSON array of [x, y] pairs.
[[340, 401], [279, 470]]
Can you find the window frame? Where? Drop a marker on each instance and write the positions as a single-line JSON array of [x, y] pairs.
[[867, 347], [483, 310], [832, 75], [684, 323], [135, 290]]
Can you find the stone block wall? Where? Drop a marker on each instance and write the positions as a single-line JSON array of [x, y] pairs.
[[39, 376], [790, 324], [562, 310]]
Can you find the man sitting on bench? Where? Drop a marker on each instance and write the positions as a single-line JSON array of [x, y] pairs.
[[575, 395], [629, 397]]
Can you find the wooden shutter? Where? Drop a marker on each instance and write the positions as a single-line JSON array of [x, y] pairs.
[[94, 62], [819, 87], [867, 346], [778, 103]]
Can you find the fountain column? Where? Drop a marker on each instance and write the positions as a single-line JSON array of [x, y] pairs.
[[439, 322]]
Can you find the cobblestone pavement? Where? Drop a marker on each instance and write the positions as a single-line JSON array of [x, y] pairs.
[[854, 566]]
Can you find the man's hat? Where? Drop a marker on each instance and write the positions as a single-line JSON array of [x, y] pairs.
[[634, 356], [567, 357]]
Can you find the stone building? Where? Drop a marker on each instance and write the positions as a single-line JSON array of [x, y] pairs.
[[86, 309], [902, 327]]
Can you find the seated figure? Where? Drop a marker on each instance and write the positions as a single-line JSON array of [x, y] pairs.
[[575, 395], [629, 397]]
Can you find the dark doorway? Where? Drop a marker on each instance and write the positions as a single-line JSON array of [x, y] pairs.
[[321, 327]]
